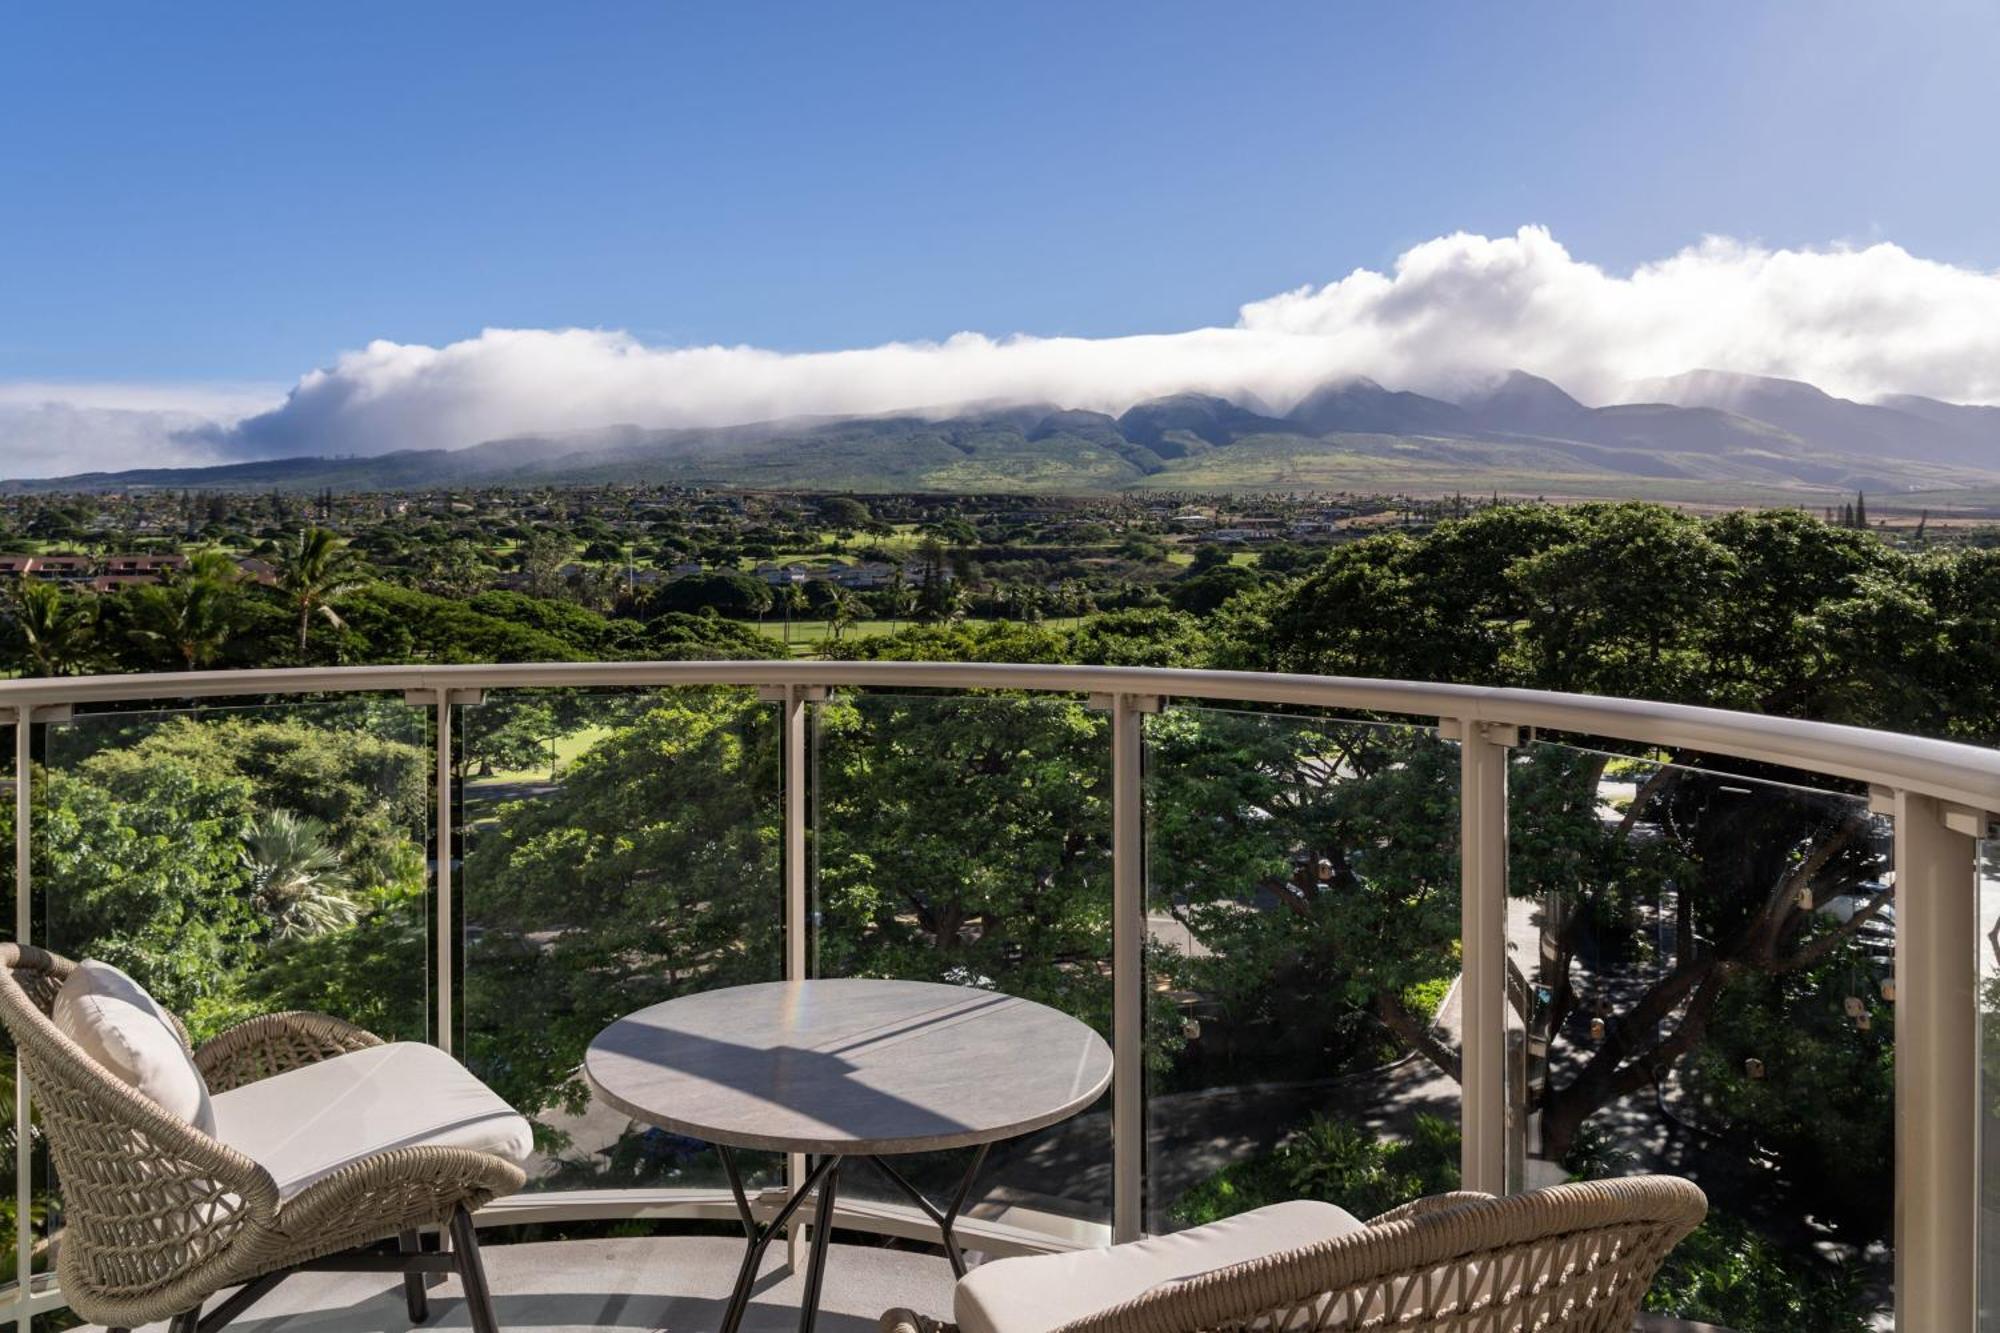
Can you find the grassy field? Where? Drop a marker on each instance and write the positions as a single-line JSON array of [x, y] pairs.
[[1183, 556], [808, 635], [567, 750]]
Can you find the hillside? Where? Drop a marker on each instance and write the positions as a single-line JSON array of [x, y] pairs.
[[1697, 436]]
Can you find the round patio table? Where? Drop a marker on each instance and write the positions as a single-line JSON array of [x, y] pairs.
[[846, 1068]]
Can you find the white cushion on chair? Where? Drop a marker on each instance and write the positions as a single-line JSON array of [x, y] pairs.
[[1038, 1293], [126, 1032], [306, 1123]]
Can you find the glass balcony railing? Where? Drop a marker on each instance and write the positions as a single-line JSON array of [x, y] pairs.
[[1703, 964], [1302, 961], [615, 849], [1353, 939], [966, 839]]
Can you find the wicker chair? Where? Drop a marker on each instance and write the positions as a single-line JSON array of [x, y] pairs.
[[1572, 1259], [158, 1216]]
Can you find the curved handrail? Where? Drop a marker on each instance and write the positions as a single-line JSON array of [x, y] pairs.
[[1950, 771], [1932, 1101]]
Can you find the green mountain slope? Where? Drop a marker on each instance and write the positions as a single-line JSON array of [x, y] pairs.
[[1526, 434]]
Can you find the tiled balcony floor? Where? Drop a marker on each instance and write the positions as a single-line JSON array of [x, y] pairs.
[[672, 1284], [655, 1285]]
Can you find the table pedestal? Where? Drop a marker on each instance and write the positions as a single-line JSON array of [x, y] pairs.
[[825, 1176]]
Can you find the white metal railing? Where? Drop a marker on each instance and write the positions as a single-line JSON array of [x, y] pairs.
[[1943, 798]]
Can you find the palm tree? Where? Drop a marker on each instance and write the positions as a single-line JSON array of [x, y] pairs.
[[55, 629], [795, 602], [901, 599], [192, 611], [843, 608], [318, 571], [295, 876]]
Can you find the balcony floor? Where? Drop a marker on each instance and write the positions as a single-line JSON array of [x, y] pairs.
[[673, 1284]]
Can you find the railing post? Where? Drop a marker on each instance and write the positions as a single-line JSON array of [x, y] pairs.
[[1937, 1061], [795, 718], [441, 699], [446, 955], [1482, 987], [1128, 960]]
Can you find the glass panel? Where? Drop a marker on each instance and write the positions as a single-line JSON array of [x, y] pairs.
[[1303, 910], [620, 848], [967, 840], [39, 1193], [238, 861], [243, 860], [1706, 965]]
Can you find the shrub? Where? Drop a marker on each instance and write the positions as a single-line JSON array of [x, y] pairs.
[[1338, 1163], [1728, 1273]]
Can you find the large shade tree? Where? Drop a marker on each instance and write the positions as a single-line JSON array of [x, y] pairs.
[[1774, 612]]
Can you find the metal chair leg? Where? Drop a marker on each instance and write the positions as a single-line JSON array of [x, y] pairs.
[[414, 1296], [465, 1247], [187, 1321]]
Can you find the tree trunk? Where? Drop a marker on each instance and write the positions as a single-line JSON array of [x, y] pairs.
[[1562, 1116]]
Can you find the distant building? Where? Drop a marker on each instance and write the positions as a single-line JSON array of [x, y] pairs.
[[64, 568], [779, 575], [868, 574], [146, 567]]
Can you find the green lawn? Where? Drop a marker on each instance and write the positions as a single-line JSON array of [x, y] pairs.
[[568, 749], [1184, 556], [808, 635]]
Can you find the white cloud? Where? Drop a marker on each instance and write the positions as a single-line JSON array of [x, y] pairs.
[[1856, 321], [52, 429]]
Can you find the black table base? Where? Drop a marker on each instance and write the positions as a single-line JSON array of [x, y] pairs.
[[824, 1176]]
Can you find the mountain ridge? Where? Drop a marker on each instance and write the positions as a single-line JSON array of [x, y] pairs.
[[1707, 427]]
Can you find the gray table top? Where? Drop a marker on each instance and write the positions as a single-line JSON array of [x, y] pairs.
[[849, 1067]]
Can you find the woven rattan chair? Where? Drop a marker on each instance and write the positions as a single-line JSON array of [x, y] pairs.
[[1572, 1259], [158, 1216]]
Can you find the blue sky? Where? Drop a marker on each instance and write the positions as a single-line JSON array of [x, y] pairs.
[[197, 192]]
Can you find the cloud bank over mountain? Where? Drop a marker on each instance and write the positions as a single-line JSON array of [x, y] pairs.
[[52, 429], [1451, 315]]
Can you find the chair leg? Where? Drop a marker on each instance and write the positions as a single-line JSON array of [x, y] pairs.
[[187, 1321], [478, 1300], [414, 1296]]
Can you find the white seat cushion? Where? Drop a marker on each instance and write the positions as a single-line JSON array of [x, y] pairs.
[[1037, 1293], [306, 1123], [125, 1031]]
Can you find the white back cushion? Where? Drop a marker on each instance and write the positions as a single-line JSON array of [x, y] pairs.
[[1036, 1293], [124, 1030]]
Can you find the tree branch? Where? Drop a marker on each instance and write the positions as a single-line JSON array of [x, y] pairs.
[[1421, 1037], [1826, 943]]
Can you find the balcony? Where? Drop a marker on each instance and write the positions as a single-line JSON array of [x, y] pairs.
[[1364, 936]]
